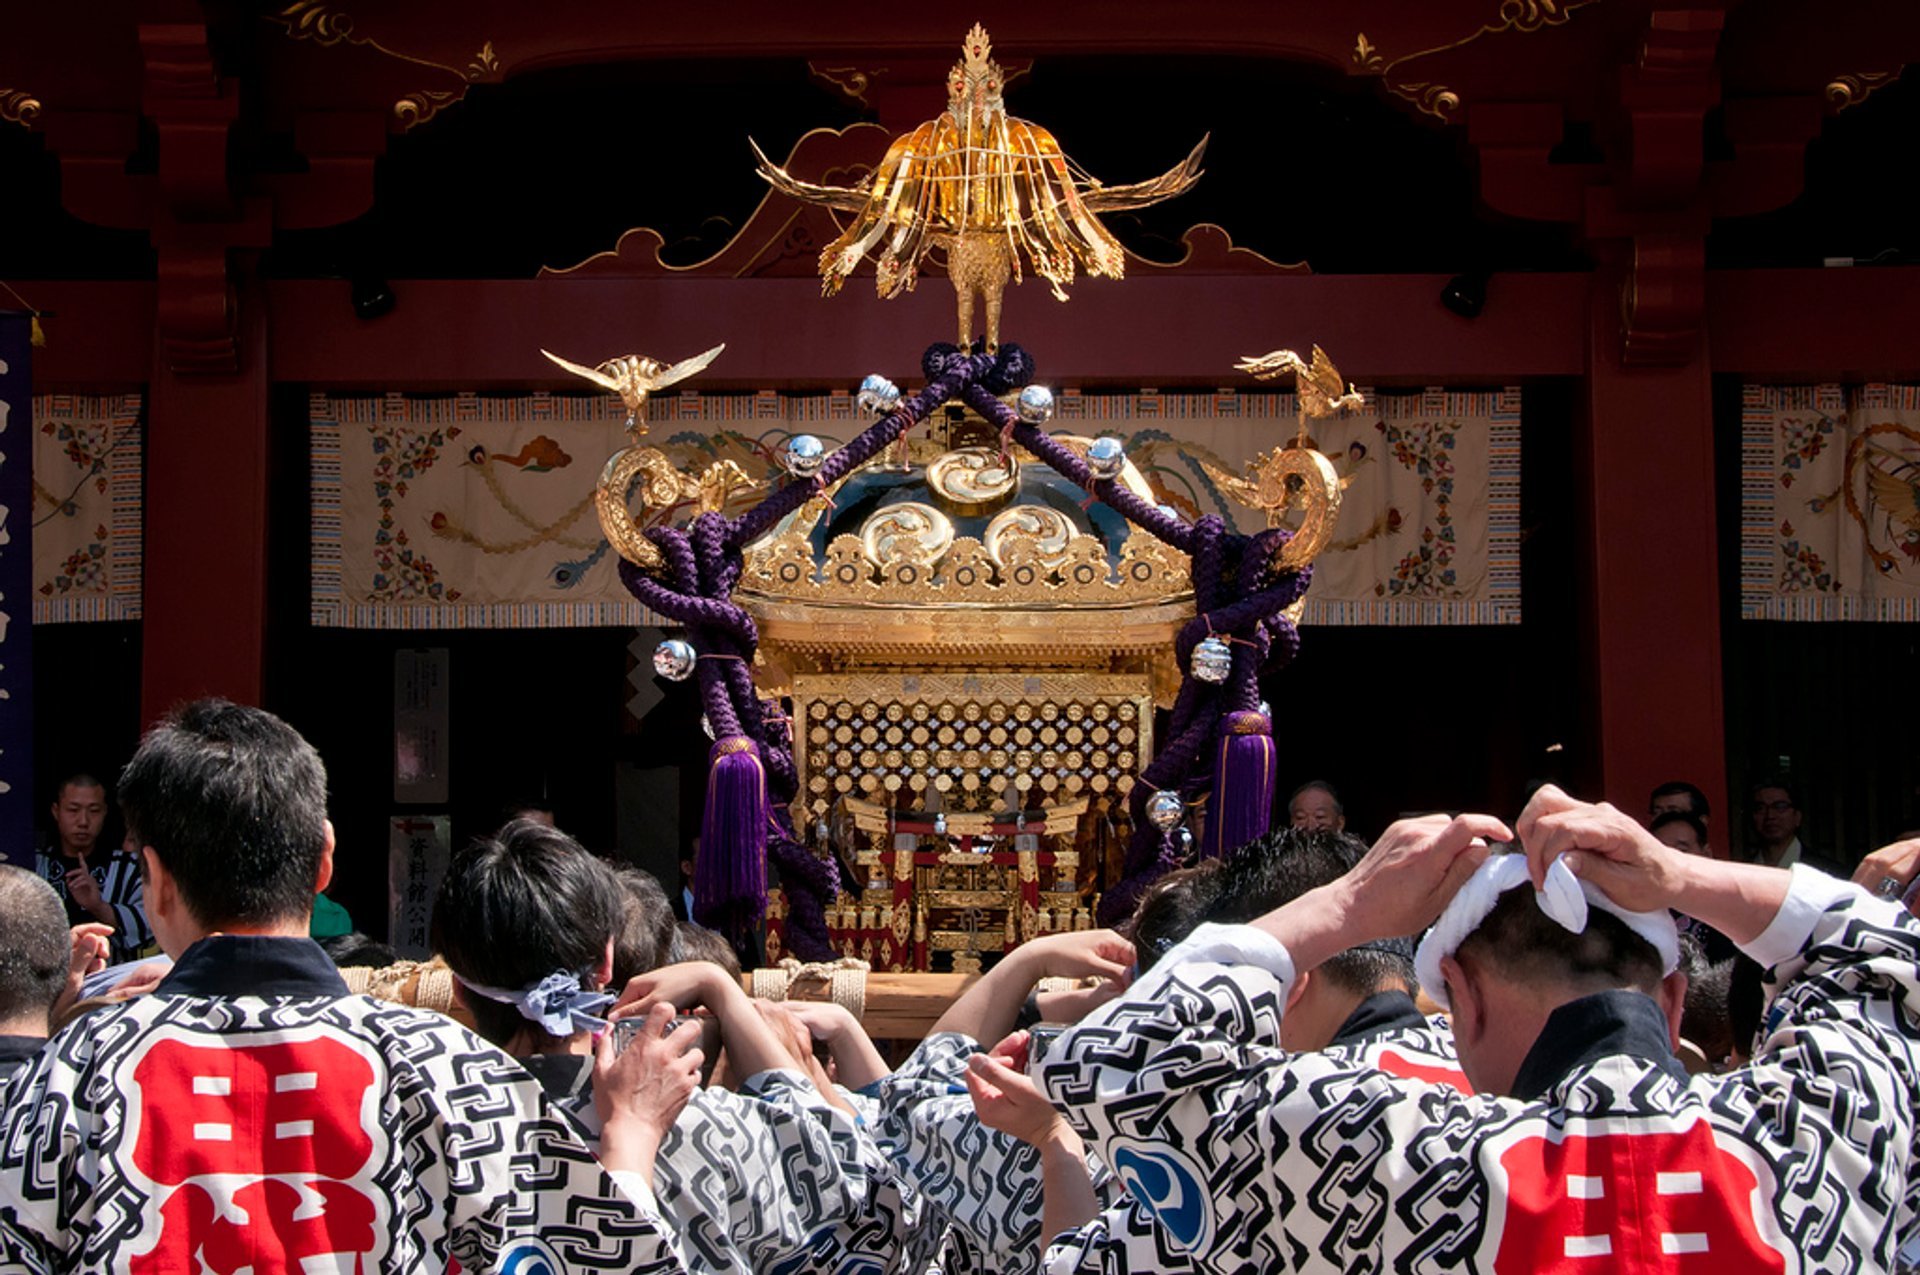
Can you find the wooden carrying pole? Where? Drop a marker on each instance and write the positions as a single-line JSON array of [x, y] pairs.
[[889, 1006], [897, 1006]]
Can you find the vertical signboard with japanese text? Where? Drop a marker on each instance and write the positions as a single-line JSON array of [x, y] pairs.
[[16, 589], [417, 847], [420, 708]]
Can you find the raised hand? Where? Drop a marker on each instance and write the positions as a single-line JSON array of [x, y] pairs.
[[856, 1063], [1398, 888], [1602, 845], [88, 950], [688, 986], [1078, 954], [81, 886], [1076, 1003], [1005, 1099], [824, 1021], [1891, 870], [640, 1091], [1410, 874]]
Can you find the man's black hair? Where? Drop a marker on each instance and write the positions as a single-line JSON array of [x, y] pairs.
[[1375, 967], [645, 939], [1696, 800], [1526, 946], [521, 806], [78, 779], [1283, 865], [1278, 868], [697, 943], [527, 902], [1317, 785], [234, 803], [357, 951], [1680, 816], [1707, 1020], [1781, 782], [1169, 909], [34, 946]]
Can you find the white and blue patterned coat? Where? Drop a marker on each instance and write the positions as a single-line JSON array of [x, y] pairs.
[[251, 1113], [1608, 1157]]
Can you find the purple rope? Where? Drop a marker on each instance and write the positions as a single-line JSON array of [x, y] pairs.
[[957, 371], [1058, 457]]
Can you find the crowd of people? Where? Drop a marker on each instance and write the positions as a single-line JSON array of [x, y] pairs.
[[1574, 1041]]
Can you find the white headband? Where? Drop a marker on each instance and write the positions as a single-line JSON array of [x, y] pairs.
[[1565, 900], [558, 1003]]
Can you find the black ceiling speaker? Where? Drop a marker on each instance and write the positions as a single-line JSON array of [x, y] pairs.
[[1466, 294], [372, 297]]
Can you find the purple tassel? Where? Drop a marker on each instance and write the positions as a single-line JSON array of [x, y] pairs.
[[1244, 773], [730, 879]]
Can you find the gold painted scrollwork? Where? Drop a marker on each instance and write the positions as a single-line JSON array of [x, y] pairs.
[[1435, 99], [972, 480], [315, 20], [1284, 479], [909, 532], [1851, 90], [1029, 533], [326, 24], [660, 487], [1319, 492], [19, 106], [416, 108]]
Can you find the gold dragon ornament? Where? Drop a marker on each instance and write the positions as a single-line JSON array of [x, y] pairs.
[[987, 189], [633, 377], [1295, 476]]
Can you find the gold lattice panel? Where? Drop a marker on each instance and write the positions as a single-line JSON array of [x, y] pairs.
[[890, 738]]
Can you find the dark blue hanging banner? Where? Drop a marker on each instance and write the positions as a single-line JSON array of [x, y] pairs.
[[16, 588]]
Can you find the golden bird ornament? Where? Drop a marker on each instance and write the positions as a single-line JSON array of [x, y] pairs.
[[987, 189], [634, 376], [1318, 385]]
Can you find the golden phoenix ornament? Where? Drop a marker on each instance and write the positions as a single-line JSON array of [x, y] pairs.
[[988, 190]]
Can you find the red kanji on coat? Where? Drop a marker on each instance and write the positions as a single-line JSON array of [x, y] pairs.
[[289, 1107], [270, 1226], [261, 1155], [1629, 1202]]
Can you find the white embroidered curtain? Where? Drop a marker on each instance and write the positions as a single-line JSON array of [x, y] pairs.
[[471, 511], [1830, 504], [86, 508]]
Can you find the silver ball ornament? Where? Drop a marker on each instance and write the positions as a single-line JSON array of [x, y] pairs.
[[1106, 457], [877, 395], [804, 456], [1035, 405], [1212, 660], [1266, 710], [674, 660], [1165, 809], [940, 824]]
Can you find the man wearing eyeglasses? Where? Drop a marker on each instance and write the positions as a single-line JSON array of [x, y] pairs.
[[1775, 811]]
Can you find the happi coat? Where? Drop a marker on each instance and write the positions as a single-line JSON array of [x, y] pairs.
[[1607, 1155]]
